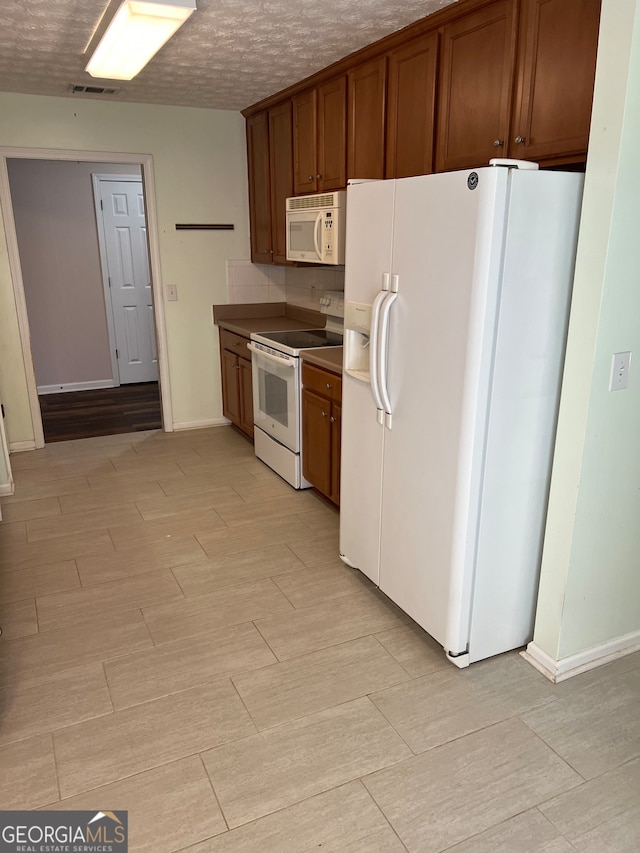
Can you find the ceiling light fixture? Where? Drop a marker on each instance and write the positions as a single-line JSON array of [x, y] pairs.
[[136, 33]]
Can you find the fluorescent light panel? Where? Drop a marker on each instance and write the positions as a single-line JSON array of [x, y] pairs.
[[137, 32]]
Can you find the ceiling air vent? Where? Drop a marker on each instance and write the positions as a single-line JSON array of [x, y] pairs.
[[92, 90]]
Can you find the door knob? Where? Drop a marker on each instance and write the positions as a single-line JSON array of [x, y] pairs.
[[519, 140], [497, 143]]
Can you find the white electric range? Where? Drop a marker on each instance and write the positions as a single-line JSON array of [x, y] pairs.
[[277, 394]]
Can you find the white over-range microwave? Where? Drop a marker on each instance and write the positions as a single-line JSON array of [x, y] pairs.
[[316, 228]]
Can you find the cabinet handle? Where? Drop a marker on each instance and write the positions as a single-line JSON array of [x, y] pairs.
[[310, 178], [324, 414], [329, 385], [318, 177], [519, 140], [498, 142], [332, 419]]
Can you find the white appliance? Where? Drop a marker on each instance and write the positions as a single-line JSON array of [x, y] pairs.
[[277, 404], [457, 289], [316, 228]]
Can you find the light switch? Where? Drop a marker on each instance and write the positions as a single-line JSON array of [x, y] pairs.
[[620, 365], [172, 292]]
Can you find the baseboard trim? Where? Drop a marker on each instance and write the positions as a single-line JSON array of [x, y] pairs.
[[76, 386], [20, 446], [214, 422], [561, 670]]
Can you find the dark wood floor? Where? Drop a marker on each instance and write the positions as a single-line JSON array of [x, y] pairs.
[[106, 411]]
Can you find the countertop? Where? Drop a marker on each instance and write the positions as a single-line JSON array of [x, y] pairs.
[[278, 317], [329, 358], [266, 317]]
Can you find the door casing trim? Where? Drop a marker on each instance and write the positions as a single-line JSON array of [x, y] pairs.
[[145, 161]]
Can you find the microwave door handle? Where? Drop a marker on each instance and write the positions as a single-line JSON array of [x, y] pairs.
[[316, 236], [285, 362]]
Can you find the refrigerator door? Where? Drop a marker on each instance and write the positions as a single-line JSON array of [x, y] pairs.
[[447, 254], [368, 258]]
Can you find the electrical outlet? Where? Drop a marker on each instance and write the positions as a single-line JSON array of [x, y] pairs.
[[620, 364], [172, 293]]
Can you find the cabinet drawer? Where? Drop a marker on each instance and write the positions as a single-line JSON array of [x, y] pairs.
[[322, 382], [234, 343]]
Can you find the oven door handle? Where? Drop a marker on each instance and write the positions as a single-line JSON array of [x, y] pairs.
[[285, 362]]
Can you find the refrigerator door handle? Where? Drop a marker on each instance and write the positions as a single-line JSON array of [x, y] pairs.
[[383, 350], [374, 359]]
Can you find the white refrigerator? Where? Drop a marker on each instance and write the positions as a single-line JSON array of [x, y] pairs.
[[457, 295]]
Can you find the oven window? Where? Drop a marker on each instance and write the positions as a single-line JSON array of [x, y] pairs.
[[273, 397], [301, 236]]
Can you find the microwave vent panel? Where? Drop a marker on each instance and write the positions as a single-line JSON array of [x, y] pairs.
[[312, 201]]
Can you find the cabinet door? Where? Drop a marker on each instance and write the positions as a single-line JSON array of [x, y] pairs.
[[366, 124], [559, 41], [316, 441], [304, 142], [259, 188], [332, 135], [477, 70], [246, 396], [411, 104], [281, 173], [230, 387], [336, 428]]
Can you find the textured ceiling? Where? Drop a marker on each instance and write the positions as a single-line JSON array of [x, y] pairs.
[[230, 54]]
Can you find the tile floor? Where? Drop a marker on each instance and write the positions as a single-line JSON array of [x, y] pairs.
[[181, 640]]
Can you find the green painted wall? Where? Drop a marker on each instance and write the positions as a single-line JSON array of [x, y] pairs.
[[590, 582]]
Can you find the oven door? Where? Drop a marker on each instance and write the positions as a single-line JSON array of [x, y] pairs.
[[276, 396]]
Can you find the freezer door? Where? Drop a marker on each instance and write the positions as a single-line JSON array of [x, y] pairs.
[[368, 258], [447, 253]]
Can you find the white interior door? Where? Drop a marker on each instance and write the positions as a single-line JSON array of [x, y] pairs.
[[126, 255]]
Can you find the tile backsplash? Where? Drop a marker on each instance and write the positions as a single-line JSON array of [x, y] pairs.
[[247, 282]]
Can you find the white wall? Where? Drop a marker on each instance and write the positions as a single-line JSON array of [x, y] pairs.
[[199, 161], [54, 213], [590, 582]]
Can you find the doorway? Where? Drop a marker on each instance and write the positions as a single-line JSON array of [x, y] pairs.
[[154, 306]]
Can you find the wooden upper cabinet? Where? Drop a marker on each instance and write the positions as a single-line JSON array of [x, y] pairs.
[[476, 83], [366, 122], [319, 138], [332, 135], [556, 71], [411, 104], [281, 175], [305, 142], [259, 187]]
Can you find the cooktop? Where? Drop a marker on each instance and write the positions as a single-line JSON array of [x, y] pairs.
[[304, 338]]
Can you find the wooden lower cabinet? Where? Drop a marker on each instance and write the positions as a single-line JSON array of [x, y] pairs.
[[237, 389], [321, 399]]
